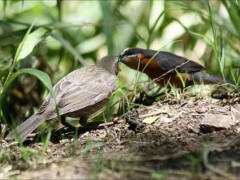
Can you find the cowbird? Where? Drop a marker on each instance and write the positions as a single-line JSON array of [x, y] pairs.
[[78, 94], [164, 67]]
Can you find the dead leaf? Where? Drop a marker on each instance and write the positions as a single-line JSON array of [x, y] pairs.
[[150, 120]]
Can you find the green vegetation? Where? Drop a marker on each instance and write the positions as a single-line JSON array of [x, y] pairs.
[[56, 39], [41, 41]]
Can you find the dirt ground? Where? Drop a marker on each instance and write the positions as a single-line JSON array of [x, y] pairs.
[[163, 141]]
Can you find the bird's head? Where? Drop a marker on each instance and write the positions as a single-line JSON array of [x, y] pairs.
[[130, 54], [110, 63], [136, 58]]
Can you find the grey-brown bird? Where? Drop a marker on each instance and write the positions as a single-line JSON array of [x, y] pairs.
[[78, 94]]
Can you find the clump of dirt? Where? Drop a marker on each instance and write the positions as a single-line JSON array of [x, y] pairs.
[[134, 121], [163, 140]]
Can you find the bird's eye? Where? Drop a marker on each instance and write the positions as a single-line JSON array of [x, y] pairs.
[[125, 51], [123, 54]]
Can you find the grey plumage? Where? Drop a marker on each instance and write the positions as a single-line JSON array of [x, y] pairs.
[[78, 94]]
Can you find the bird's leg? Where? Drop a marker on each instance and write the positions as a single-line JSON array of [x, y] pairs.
[[63, 121], [146, 99], [83, 120], [157, 94], [150, 99]]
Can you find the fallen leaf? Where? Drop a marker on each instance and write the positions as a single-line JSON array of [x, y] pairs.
[[150, 120]]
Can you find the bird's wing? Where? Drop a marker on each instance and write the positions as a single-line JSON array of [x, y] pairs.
[[84, 87], [169, 61]]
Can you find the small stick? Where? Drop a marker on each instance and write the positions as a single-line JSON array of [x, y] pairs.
[[154, 113]]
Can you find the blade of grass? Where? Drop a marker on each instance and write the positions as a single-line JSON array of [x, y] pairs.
[[46, 141], [233, 11], [212, 23], [107, 24], [59, 8], [208, 40], [4, 7], [28, 44], [16, 57], [152, 29], [42, 76], [15, 60], [221, 61], [68, 47], [181, 78], [130, 30]]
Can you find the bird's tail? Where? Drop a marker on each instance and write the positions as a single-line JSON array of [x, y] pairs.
[[24, 129], [209, 79]]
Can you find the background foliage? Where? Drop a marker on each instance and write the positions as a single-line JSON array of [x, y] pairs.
[[56, 37]]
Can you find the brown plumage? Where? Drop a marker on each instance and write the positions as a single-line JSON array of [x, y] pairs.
[[164, 67], [78, 94]]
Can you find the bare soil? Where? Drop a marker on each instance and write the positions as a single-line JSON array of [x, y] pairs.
[[174, 146]]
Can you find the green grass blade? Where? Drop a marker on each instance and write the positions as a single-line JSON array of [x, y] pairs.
[[153, 28], [29, 42], [4, 7], [222, 62], [68, 47], [233, 9], [16, 57], [212, 23], [46, 141], [107, 24], [131, 31], [208, 40], [59, 8], [42, 76]]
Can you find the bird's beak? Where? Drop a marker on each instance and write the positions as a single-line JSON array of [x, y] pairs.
[[122, 57], [125, 58]]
